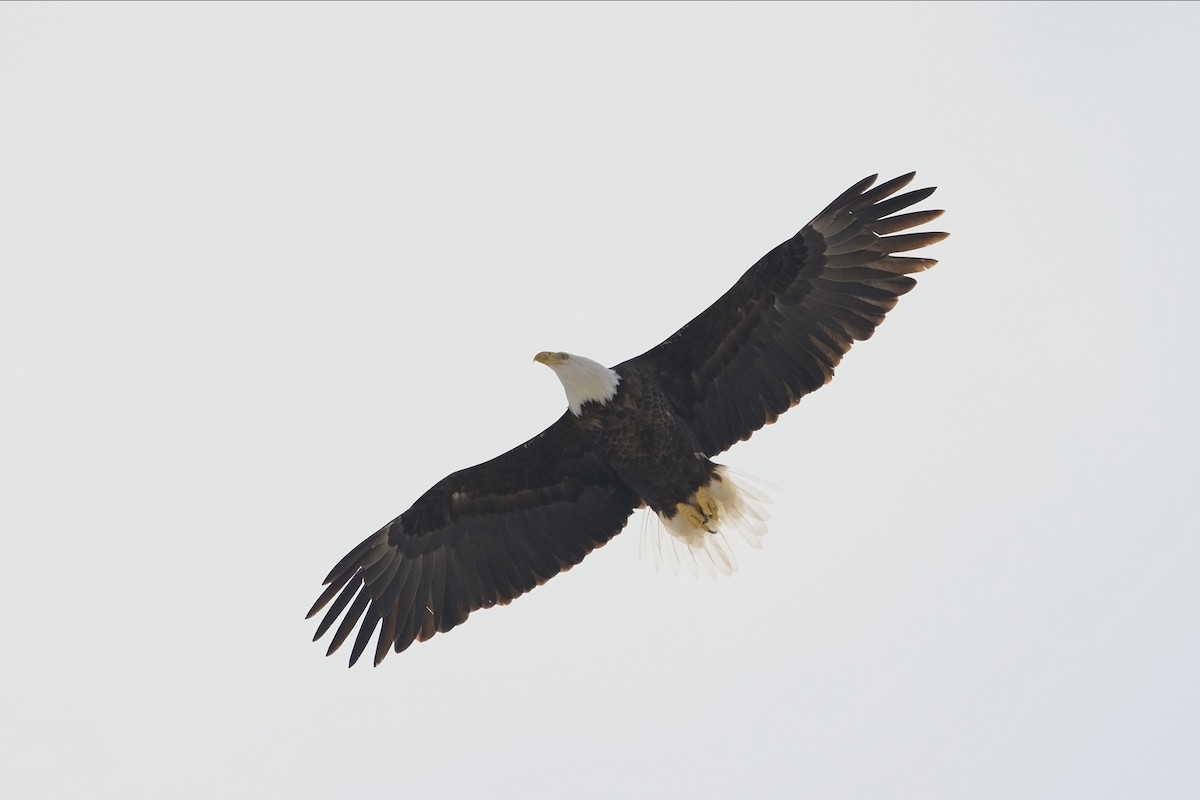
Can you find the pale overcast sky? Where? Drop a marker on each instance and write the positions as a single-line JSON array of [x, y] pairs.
[[270, 271]]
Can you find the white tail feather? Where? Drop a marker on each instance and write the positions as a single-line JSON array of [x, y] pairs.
[[740, 512]]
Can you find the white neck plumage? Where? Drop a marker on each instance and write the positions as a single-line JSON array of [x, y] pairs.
[[583, 379]]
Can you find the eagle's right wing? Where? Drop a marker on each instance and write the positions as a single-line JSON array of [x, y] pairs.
[[480, 537]]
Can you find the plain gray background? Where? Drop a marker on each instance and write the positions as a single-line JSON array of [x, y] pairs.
[[270, 271]]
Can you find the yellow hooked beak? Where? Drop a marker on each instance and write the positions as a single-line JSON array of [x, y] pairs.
[[550, 359]]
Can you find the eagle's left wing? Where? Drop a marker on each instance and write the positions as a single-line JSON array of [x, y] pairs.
[[777, 334]]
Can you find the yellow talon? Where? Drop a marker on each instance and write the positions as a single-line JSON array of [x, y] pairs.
[[707, 503], [692, 515]]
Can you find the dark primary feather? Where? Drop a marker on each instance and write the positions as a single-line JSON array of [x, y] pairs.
[[480, 537], [777, 334]]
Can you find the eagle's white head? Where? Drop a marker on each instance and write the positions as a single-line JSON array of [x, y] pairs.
[[582, 378]]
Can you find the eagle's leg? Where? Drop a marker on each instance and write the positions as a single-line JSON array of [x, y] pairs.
[[707, 504], [694, 516]]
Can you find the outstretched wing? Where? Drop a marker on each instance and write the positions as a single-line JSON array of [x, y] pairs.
[[480, 537], [779, 332]]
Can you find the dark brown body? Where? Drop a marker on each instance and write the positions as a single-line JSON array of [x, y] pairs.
[[651, 449]]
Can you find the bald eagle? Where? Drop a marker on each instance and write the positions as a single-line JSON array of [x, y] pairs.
[[640, 434]]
